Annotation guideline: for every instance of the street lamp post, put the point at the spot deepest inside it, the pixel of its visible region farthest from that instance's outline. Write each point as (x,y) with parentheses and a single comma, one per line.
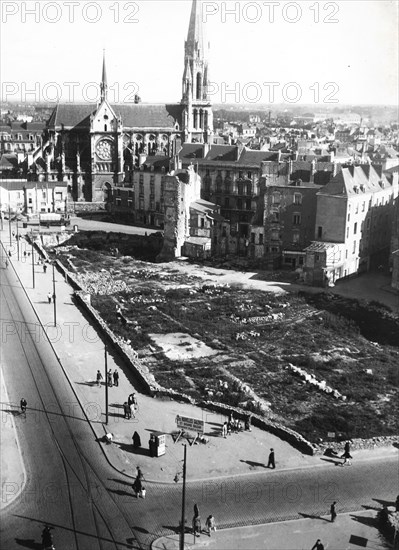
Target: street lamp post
(106,383)
(33,263)
(17,239)
(183,502)
(9,217)
(54,297)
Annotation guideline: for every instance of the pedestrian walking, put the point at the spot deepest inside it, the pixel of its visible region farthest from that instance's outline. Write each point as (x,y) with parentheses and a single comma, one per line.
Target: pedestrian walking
(10,253)
(229,428)
(210,524)
(318,545)
(24,253)
(116,378)
(130,399)
(23,404)
(126,410)
(333,511)
(132,409)
(44,268)
(140,474)
(6,262)
(346,454)
(136,440)
(99,377)
(224,430)
(49,297)
(271,462)
(109,378)
(196,510)
(137,487)
(248,423)
(196,525)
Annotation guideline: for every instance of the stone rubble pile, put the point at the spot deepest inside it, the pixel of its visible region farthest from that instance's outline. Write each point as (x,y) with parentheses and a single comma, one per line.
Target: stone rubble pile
(310,379)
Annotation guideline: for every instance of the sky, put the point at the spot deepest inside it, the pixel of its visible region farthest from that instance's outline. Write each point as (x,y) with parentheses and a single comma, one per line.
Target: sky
(319,53)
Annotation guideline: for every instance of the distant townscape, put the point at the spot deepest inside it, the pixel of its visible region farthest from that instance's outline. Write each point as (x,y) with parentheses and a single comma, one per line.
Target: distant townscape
(282,188)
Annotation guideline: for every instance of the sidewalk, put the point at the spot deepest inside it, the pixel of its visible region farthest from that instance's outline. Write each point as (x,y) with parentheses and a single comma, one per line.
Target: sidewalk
(12,470)
(349,531)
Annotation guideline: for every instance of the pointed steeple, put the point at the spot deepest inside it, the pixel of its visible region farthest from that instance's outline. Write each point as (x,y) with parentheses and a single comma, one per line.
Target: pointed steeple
(195,37)
(104,83)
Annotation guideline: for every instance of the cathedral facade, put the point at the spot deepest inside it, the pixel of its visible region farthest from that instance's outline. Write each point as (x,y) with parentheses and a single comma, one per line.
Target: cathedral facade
(96,147)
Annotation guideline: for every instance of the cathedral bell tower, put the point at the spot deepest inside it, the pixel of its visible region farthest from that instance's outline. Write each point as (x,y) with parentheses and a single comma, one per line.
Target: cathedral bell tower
(197,115)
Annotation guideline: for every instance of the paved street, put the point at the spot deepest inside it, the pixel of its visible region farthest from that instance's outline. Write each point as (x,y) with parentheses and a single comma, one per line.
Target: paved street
(60,448)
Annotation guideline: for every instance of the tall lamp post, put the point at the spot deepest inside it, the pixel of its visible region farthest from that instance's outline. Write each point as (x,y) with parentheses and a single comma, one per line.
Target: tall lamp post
(54,297)
(17,239)
(106,383)
(33,263)
(9,216)
(183,502)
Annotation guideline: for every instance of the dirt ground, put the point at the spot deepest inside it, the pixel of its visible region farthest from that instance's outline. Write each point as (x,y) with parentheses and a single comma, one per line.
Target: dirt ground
(232,337)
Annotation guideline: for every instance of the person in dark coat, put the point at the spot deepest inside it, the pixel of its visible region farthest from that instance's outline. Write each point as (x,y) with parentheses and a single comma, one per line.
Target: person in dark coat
(197,526)
(136,440)
(137,486)
(333,512)
(196,510)
(126,410)
(318,545)
(116,378)
(271,462)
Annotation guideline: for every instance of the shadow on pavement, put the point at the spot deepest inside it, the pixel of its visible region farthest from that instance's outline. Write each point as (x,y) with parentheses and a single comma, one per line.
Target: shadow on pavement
(335,462)
(130,449)
(29,543)
(371,522)
(312,516)
(384,502)
(253,464)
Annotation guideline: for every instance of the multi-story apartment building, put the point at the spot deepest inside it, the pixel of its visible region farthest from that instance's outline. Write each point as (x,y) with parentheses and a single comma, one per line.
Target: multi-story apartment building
(22,196)
(284,224)
(353,224)
(141,200)
(18,137)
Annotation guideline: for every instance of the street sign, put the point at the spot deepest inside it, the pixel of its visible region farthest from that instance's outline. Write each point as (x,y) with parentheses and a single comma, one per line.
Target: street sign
(193,424)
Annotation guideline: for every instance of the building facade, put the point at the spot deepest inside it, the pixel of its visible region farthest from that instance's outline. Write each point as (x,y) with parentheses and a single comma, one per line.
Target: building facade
(353,227)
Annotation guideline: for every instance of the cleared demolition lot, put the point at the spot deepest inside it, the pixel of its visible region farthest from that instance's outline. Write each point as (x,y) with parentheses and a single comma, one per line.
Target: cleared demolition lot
(317,363)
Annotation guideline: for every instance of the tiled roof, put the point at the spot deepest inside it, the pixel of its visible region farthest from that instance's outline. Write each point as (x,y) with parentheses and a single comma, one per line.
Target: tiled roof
(222,153)
(8,162)
(191,151)
(249,157)
(157,161)
(355,180)
(139,115)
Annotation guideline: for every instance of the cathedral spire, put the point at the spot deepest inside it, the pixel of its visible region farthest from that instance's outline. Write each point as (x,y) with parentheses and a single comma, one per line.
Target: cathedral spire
(195,37)
(104,83)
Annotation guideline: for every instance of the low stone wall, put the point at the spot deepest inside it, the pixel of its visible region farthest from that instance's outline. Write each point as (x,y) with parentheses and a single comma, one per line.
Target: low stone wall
(85,207)
(358,444)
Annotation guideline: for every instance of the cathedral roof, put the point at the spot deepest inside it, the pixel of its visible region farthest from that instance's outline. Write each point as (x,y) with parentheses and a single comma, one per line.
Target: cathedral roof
(140,115)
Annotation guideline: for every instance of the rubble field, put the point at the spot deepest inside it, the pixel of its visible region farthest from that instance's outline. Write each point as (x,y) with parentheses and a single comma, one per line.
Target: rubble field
(305,361)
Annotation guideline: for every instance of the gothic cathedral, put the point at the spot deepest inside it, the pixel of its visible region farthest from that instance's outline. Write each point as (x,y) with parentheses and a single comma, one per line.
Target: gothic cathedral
(97,147)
